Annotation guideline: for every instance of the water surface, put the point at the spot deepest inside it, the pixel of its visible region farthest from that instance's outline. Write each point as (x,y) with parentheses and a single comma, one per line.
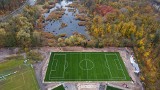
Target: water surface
(68,18)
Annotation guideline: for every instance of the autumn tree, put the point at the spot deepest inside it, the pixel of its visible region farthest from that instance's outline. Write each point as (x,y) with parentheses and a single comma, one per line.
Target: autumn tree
(24,38)
(36,38)
(31,13)
(2,37)
(9,5)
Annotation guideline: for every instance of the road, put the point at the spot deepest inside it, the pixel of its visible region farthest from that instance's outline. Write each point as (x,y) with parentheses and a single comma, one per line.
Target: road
(38,70)
(17,11)
(32,2)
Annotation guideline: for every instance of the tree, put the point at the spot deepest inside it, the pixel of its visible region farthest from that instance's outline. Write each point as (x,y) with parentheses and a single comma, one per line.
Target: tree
(98,27)
(108,28)
(24,39)
(22,23)
(10,40)
(31,13)
(9,5)
(2,37)
(157,37)
(34,55)
(36,38)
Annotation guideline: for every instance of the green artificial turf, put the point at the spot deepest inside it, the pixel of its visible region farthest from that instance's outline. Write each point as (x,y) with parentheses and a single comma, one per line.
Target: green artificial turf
(23,79)
(59,88)
(86,66)
(112,88)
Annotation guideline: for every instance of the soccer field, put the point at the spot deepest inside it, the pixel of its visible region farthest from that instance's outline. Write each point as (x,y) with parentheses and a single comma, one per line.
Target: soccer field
(23,79)
(86,66)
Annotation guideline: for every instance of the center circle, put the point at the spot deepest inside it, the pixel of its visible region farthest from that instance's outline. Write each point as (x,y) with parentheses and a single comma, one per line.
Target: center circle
(86,64)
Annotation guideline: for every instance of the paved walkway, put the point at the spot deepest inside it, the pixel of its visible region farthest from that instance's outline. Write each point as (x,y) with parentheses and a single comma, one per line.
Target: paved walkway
(38,70)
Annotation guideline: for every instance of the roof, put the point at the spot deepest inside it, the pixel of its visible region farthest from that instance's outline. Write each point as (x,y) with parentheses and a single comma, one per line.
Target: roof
(135,65)
(131,59)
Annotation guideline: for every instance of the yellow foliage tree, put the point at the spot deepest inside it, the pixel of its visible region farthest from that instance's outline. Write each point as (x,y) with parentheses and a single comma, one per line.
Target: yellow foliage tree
(108,29)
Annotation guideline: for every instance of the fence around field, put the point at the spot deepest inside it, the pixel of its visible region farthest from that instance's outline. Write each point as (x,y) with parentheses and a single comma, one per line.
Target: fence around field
(15,12)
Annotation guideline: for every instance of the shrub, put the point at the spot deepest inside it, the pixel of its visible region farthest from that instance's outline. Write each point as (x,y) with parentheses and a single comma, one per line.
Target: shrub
(34,55)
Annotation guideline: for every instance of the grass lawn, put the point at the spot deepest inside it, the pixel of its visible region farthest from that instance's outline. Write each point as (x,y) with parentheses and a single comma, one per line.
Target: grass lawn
(8,65)
(23,79)
(86,66)
(59,88)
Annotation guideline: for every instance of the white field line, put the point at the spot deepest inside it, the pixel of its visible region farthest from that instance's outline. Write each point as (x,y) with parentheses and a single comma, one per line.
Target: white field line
(10,80)
(34,80)
(108,66)
(59,54)
(17,87)
(21,74)
(66,65)
(110,54)
(118,68)
(104,67)
(86,67)
(23,78)
(51,77)
(51,67)
(112,78)
(115,79)
(6,83)
(21,85)
(13,77)
(84,53)
(55,65)
(106,63)
(116,64)
(121,67)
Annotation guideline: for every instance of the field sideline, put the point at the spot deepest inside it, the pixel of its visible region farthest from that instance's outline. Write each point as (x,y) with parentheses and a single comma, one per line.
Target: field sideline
(86,66)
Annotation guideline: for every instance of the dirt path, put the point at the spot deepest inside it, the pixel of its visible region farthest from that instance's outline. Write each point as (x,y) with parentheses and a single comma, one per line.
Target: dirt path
(7,52)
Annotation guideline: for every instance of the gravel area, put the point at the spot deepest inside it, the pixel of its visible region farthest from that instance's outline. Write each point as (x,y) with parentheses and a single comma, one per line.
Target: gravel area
(7,52)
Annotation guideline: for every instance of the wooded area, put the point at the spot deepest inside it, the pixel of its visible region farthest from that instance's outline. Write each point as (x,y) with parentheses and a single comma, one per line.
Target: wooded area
(115,23)
(128,23)
(9,5)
